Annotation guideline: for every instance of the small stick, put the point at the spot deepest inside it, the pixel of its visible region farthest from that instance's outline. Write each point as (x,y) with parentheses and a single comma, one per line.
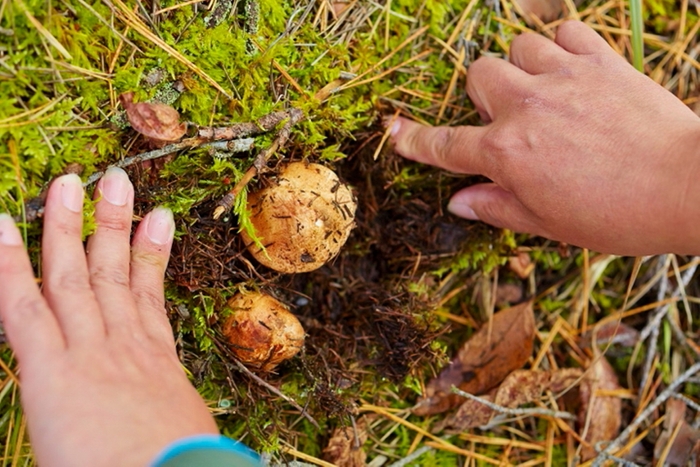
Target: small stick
(639,419)
(226,203)
(262,382)
(514,412)
(232,138)
(237,145)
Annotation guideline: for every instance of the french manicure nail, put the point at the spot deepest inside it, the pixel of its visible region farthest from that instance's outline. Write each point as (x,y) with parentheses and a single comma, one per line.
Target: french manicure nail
(9,233)
(161,226)
(71,192)
(115,186)
(462,208)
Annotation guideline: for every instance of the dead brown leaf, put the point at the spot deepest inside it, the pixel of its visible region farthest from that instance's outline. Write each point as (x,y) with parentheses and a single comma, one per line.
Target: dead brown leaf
(521,265)
(686,438)
(344,449)
(484,360)
(520,387)
(601,412)
(153,119)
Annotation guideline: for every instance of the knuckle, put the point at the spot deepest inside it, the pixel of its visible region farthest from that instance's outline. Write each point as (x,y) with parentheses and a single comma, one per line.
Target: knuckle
(111,275)
(27,308)
(501,143)
(442,145)
(150,297)
(113,220)
(149,260)
(68,282)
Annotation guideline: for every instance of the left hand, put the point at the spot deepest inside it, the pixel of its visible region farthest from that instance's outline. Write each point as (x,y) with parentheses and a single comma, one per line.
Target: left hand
(101,382)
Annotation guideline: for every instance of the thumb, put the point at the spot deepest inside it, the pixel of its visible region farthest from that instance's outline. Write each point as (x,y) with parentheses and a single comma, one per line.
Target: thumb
(492,204)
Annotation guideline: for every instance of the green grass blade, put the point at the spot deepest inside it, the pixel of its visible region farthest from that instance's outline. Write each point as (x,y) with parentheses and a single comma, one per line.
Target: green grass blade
(637,30)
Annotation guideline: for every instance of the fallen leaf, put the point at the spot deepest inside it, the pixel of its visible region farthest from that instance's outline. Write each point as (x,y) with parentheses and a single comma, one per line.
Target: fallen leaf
(686,438)
(602,412)
(520,387)
(521,265)
(484,360)
(342,449)
(508,293)
(153,119)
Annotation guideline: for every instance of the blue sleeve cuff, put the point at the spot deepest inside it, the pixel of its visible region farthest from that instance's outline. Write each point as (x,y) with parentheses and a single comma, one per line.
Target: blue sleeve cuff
(207,451)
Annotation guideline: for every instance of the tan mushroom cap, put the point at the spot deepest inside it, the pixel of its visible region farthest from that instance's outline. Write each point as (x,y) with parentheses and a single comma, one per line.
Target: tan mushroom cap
(261,331)
(303,219)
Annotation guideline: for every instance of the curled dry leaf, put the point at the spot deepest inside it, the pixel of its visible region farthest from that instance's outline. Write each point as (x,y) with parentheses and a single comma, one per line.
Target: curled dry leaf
(484,360)
(520,387)
(685,441)
(345,446)
(601,412)
(521,265)
(153,119)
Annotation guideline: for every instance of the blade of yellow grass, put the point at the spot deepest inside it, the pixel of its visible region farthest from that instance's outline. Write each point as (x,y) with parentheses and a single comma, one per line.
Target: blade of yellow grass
(81,70)
(453,83)
(43,31)
(460,23)
(410,39)
(387,133)
(133,20)
(387,72)
(466,453)
(438,443)
(489,441)
(34,113)
(546,344)
(300,455)
(177,6)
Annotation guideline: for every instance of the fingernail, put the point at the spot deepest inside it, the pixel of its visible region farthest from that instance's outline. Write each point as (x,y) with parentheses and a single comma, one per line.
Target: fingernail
(161,226)
(395,127)
(461,208)
(71,192)
(115,186)
(9,233)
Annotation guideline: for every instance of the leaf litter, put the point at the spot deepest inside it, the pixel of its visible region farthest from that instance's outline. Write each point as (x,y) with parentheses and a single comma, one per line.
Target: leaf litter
(483,361)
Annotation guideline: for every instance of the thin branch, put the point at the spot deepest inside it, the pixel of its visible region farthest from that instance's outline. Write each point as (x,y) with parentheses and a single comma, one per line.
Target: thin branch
(237,145)
(226,203)
(243,369)
(514,412)
(639,419)
(412,457)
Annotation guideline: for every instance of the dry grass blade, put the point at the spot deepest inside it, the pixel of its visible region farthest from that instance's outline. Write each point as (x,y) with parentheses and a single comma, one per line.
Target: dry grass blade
(43,31)
(132,20)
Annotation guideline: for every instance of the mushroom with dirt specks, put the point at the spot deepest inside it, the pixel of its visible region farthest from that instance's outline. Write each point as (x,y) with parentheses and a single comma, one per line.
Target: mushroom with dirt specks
(261,332)
(303,218)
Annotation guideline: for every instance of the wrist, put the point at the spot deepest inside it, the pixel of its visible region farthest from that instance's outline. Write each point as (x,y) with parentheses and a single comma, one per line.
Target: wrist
(687,212)
(206,450)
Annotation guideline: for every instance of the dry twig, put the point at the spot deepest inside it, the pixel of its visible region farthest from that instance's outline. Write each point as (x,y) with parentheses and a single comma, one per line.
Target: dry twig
(226,203)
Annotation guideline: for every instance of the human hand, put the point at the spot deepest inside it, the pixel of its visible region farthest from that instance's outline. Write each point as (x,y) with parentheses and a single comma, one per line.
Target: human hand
(101,383)
(582,148)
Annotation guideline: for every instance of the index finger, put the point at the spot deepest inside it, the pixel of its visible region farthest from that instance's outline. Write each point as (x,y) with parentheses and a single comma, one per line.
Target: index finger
(451,148)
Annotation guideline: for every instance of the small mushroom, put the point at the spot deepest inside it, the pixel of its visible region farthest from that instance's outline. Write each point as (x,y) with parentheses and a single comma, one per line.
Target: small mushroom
(261,331)
(303,218)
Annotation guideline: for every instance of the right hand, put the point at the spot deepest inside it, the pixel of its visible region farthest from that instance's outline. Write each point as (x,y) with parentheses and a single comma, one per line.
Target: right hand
(580,146)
